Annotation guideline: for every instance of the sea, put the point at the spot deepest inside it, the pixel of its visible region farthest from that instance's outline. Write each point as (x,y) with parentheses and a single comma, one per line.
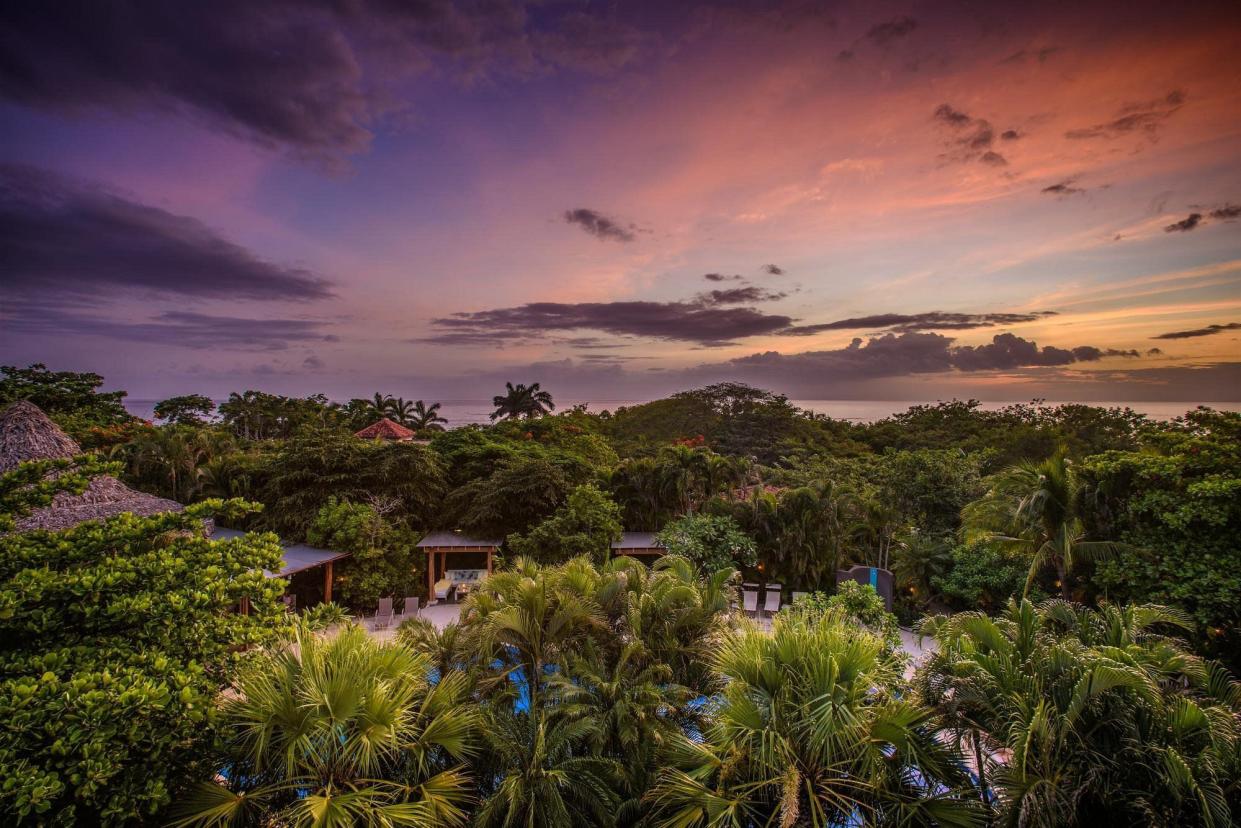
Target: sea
(465,412)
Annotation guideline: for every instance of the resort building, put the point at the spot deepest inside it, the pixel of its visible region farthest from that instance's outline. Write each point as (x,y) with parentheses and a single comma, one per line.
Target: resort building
(26,433)
(471,560)
(297,558)
(386,429)
(641,545)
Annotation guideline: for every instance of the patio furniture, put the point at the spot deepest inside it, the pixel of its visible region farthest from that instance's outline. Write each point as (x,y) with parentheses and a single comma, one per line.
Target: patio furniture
(774,593)
(290,603)
(383,615)
(410,608)
(749,598)
(442,587)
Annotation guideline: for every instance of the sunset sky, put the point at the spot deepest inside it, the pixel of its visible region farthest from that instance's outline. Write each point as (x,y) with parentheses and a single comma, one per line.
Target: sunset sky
(619,200)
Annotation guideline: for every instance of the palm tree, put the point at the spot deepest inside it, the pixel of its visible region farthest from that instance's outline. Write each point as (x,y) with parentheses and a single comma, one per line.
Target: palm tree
(380,406)
(1036,507)
(401,410)
(426,417)
(546,777)
(918,559)
(806,733)
(339,732)
(521,401)
(1082,717)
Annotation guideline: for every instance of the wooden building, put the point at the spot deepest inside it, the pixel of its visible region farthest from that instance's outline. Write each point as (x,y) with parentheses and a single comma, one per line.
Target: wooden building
(449,552)
(640,545)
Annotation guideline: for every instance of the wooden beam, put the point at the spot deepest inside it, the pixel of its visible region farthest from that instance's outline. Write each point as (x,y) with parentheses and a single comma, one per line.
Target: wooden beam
(327,582)
(430,577)
(488,560)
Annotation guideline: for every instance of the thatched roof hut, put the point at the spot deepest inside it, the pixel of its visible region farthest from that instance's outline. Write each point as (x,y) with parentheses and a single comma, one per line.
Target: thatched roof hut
(385,429)
(26,433)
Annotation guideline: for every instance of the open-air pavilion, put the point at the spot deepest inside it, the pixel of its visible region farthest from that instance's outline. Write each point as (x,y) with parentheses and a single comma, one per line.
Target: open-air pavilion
(466,554)
(641,545)
(297,558)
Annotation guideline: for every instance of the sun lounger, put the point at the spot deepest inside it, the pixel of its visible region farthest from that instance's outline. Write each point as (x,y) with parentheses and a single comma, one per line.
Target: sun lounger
(749,599)
(772,605)
(383,615)
(410,608)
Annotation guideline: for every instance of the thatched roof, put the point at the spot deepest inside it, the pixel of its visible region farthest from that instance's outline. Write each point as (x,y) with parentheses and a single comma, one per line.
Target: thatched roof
(385,429)
(26,433)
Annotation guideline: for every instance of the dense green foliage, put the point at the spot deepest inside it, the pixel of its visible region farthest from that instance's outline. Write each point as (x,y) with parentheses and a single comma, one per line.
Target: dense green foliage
(604,692)
(1079,717)
(383,560)
(72,399)
(340,732)
(115,637)
(586,524)
(188,409)
(710,541)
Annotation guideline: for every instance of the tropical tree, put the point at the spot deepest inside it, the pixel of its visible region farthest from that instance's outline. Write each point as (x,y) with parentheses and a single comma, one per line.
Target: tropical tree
(1037,508)
(712,542)
(340,731)
(189,409)
(1083,717)
(63,395)
(110,663)
(380,405)
(547,777)
(808,731)
(522,401)
(401,410)
(586,524)
(426,417)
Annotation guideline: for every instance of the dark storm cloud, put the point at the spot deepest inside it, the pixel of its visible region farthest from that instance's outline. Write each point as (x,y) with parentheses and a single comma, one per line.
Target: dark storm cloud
(738,296)
(952,117)
(1064,188)
(181,329)
(894,355)
(773,270)
(599,225)
(681,321)
(881,34)
(972,138)
(1209,330)
(63,238)
(1142,118)
(933,320)
(311,76)
(1227,212)
(1186,224)
(1041,55)
(720,277)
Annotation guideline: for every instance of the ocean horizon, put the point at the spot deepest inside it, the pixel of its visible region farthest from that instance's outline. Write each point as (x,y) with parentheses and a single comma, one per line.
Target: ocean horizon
(467,412)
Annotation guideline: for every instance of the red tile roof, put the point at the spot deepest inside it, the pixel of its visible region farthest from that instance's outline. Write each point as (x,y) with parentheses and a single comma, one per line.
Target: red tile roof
(387,430)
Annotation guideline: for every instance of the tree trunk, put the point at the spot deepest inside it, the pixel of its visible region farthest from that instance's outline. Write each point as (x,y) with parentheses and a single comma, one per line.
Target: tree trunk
(1063,577)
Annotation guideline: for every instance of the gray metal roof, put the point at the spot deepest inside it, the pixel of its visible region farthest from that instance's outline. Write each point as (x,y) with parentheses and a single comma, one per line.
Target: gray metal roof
(637,540)
(297,556)
(440,540)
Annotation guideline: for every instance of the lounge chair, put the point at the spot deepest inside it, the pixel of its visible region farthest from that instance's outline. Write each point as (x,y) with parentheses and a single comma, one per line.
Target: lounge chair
(383,615)
(774,593)
(749,598)
(410,608)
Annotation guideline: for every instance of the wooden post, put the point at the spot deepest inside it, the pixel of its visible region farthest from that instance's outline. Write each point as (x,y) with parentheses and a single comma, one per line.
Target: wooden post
(327,582)
(245,605)
(430,577)
(488,560)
